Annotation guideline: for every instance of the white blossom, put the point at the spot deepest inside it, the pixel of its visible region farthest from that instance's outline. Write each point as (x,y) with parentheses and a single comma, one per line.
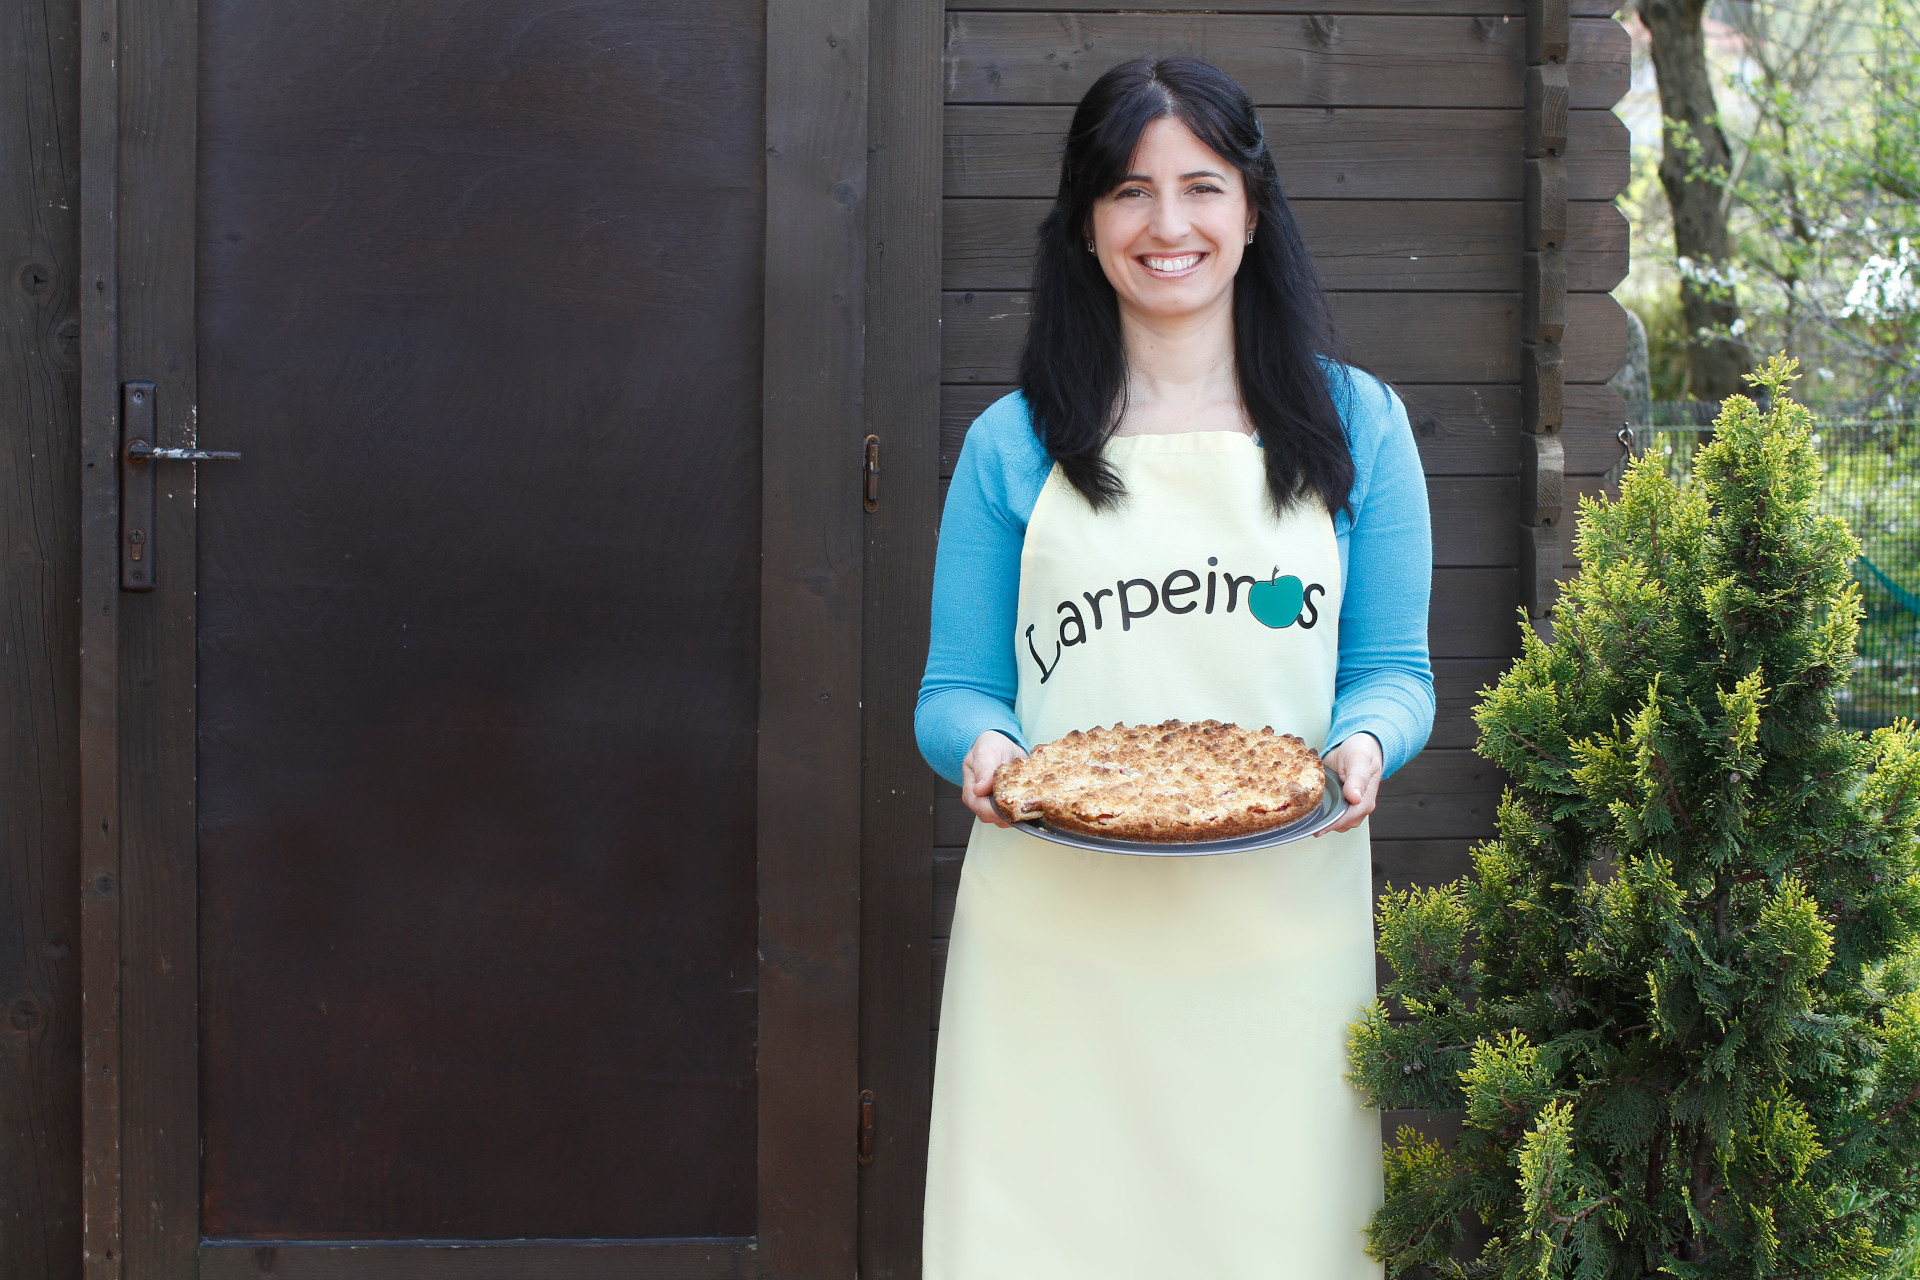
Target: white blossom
(1887,286)
(1725,276)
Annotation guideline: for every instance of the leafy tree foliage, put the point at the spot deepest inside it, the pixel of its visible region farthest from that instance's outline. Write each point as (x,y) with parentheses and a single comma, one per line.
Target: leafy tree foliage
(1812,162)
(1677,1003)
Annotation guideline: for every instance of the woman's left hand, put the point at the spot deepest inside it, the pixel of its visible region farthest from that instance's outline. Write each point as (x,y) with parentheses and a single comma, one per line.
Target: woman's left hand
(1357,762)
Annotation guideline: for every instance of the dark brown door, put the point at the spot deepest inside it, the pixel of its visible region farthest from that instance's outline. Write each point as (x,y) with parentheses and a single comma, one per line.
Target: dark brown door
(479,303)
(461,897)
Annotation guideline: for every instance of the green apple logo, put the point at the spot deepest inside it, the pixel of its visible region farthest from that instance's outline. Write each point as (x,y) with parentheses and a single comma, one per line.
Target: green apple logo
(1276,602)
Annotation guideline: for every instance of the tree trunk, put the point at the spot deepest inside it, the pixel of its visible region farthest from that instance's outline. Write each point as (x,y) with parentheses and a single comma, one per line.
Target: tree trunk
(1699,226)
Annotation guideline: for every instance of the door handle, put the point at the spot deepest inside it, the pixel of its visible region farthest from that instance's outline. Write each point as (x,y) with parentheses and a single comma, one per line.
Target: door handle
(138,454)
(139,451)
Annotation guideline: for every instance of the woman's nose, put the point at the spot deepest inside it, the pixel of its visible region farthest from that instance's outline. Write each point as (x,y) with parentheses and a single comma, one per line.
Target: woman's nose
(1170,222)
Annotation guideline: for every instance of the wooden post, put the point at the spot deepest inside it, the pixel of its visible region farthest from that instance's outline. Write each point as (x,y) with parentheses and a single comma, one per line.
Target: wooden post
(99,641)
(812,527)
(905,120)
(1543,305)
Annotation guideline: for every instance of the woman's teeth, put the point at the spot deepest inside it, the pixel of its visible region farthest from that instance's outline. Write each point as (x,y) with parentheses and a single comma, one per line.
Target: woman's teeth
(1173,264)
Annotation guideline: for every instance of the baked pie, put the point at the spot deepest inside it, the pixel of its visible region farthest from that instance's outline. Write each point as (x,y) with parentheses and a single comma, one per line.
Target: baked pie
(1172,782)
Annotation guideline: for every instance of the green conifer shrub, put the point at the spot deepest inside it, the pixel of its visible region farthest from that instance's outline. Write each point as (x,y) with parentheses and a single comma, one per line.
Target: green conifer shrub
(1677,1002)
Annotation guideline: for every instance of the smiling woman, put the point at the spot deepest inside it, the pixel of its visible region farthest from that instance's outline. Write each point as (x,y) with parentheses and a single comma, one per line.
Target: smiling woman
(1140,1065)
(1170,221)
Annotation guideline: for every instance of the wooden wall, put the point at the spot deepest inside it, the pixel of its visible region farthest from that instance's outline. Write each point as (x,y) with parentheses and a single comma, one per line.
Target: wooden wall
(40,621)
(1400,143)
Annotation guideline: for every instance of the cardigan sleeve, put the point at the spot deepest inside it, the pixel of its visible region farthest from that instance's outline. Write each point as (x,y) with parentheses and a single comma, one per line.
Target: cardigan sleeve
(971,676)
(1385,681)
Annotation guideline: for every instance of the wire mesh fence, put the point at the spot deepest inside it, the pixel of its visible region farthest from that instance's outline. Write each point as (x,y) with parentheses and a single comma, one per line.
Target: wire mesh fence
(1873,481)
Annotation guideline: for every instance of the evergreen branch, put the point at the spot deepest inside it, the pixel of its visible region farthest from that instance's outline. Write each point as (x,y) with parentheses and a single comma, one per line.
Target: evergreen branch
(1913,1095)
(1568,1221)
(1894,802)
(1673,793)
(1533,746)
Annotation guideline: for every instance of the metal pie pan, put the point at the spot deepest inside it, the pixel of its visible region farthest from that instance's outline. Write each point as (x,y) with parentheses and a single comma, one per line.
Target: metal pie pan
(1333,805)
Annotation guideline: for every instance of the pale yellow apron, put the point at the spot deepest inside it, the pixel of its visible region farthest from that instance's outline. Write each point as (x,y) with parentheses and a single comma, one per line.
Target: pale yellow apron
(1140,1064)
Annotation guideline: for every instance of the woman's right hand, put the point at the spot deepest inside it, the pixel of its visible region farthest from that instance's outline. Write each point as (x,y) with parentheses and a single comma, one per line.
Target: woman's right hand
(990,750)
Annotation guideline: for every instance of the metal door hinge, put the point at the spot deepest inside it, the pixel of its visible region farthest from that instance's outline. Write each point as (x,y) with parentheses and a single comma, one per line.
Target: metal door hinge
(870,475)
(866,1112)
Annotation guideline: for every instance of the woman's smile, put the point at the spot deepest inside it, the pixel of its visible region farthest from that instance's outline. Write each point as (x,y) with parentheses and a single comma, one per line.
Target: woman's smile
(1171,267)
(1172,232)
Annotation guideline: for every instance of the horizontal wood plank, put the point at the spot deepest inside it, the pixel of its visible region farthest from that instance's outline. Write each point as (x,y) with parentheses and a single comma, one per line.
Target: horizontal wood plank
(1314,60)
(1441,794)
(1457,683)
(1399,245)
(1325,153)
(1430,338)
(1473,521)
(1406,863)
(1466,430)
(730,1259)
(1472,614)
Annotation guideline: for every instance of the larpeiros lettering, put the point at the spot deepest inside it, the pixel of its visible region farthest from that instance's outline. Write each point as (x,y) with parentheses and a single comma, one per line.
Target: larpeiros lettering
(1276,602)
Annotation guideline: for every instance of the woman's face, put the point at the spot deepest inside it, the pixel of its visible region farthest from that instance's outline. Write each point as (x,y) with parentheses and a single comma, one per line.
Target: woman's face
(1171,234)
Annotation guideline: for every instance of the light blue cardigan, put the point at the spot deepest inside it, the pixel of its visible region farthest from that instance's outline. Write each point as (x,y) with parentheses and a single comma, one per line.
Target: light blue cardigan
(1384,684)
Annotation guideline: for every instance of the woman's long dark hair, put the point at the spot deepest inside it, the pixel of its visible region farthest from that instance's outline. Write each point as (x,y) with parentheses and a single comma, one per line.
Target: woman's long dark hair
(1073,368)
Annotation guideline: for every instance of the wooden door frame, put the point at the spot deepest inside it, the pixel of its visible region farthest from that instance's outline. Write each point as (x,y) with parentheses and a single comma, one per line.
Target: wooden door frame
(905,190)
(139,913)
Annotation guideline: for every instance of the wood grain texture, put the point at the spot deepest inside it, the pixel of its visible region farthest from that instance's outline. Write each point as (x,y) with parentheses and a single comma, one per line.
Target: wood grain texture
(1312,60)
(99,833)
(159,865)
(810,656)
(1416,246)
(902,402)
(1464,430)
(520,1260)
(1457,685)
(40,1228)
(1457,338)
(1379,153)
(1440,794)
(1472,614)
(1405,863)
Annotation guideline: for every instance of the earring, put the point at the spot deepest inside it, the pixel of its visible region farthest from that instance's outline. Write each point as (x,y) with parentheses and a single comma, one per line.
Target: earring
(1249,235)
(1090,248)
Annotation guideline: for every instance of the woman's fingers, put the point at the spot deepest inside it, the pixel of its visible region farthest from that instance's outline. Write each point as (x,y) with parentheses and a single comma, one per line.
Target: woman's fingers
(1358,764)
(978,795)
(990,750)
